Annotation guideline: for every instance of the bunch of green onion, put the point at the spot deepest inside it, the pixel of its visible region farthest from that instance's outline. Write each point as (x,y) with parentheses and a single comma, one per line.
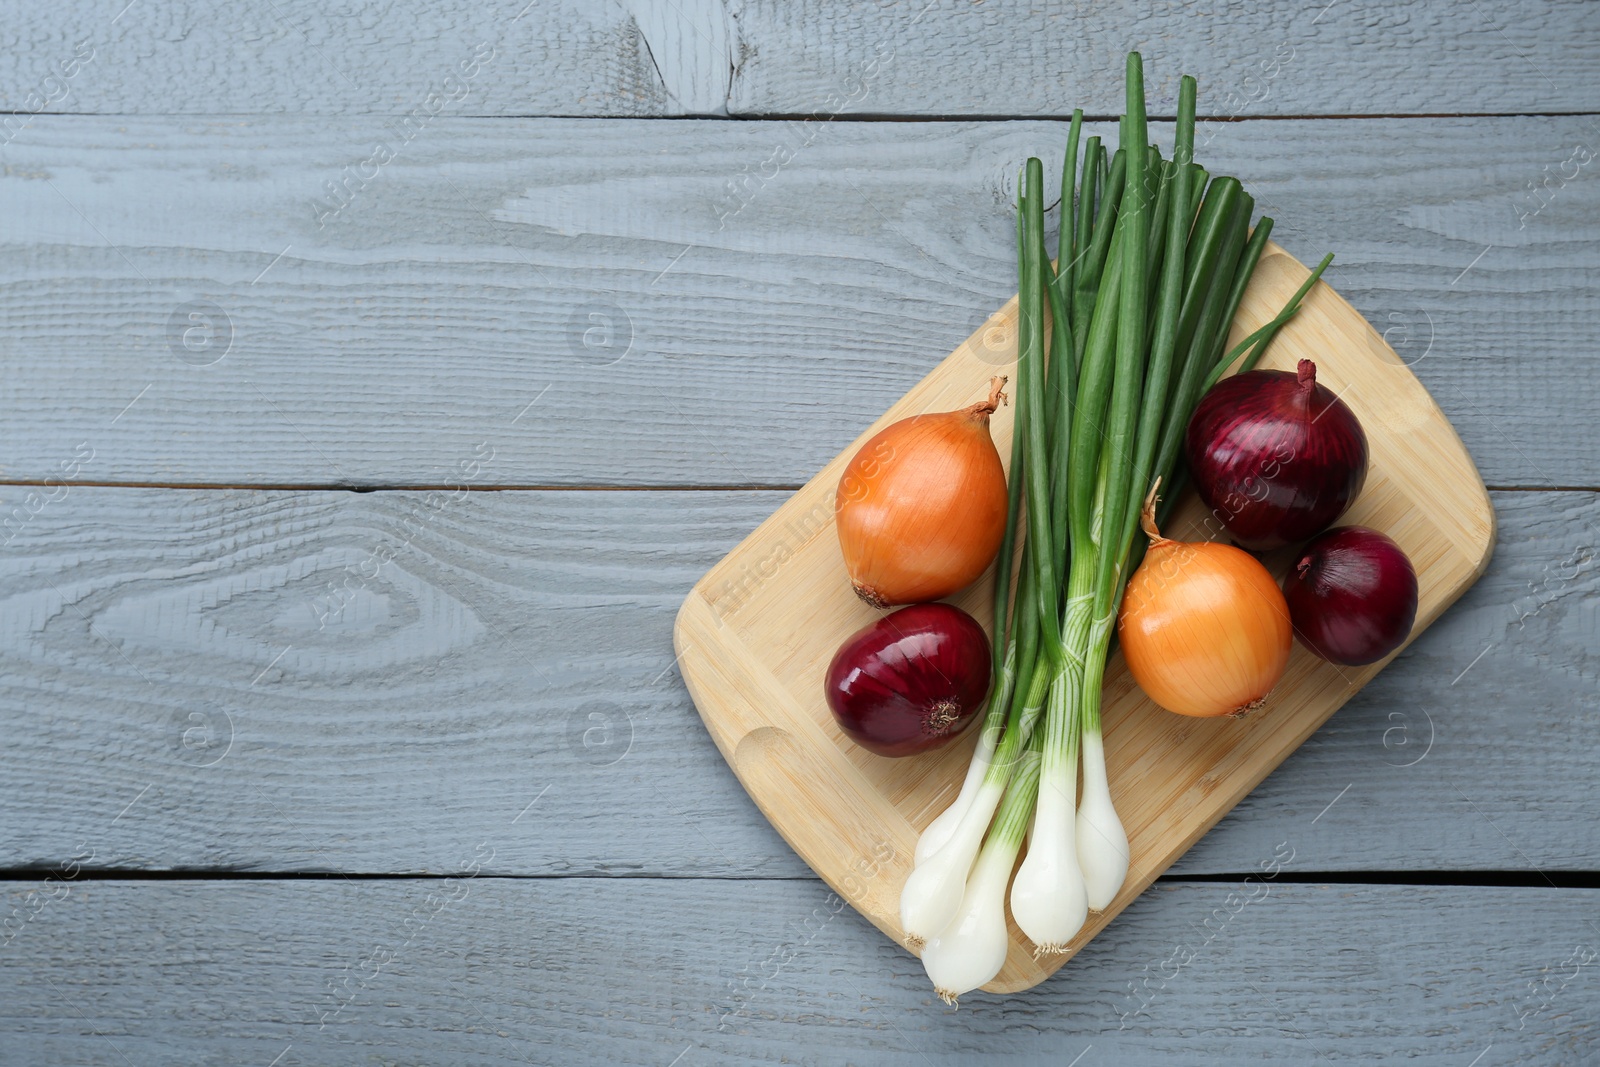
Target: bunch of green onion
(1154,258)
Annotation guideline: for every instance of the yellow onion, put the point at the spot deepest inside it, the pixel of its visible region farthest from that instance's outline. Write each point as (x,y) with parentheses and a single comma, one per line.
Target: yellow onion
(921,507)
(1204,628)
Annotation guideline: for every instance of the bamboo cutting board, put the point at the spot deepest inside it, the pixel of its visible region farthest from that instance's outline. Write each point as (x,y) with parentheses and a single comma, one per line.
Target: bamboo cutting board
(757,632)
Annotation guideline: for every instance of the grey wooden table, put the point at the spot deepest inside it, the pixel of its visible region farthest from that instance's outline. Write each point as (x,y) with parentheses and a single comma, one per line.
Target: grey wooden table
(378,378)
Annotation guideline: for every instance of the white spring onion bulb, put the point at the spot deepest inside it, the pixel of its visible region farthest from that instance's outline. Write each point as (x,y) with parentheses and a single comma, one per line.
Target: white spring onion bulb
(941,829)
(1102,842)
(932,893)
(971,949)
(1047,898)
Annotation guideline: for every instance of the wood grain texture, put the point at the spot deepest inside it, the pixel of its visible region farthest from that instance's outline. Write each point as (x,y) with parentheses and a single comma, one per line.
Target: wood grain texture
(692,45)
(950,57)
(451,689)
(490,971)
(661,57)
(492,260)
(756,634)
(188,57)
(171,700)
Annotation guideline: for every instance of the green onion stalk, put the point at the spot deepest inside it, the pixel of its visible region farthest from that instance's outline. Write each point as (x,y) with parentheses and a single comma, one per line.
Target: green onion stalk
(933,893)
(1116,341)
(1007,635)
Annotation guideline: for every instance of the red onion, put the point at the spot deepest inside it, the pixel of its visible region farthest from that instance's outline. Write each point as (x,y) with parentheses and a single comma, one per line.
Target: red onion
(1352,596)
(911,681)
(1275,456)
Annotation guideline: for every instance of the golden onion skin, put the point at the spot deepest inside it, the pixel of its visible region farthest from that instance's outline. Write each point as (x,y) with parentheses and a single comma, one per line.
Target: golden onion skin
(1204,629)
(921,507)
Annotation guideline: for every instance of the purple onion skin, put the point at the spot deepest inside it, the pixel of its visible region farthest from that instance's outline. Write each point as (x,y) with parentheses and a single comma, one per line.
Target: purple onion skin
(1275,456)
(1352,596)
(911,681)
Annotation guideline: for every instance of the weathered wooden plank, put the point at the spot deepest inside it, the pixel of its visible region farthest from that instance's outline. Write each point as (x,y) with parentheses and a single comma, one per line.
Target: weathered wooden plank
(949,57)
(670,57)
(574,971)
(323,681)
(171,301)
(565,57)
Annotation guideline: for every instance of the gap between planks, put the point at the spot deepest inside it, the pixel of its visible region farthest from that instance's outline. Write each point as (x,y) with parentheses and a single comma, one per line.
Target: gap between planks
(865,116)
(801,116)
(1501,879)
(423,487)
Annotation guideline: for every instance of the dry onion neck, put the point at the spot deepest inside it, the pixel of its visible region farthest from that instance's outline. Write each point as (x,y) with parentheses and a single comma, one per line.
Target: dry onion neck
(997,397)
(1147,518)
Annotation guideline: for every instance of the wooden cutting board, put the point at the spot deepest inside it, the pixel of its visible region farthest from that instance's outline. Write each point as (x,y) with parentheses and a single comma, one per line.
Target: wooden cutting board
(756,634)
